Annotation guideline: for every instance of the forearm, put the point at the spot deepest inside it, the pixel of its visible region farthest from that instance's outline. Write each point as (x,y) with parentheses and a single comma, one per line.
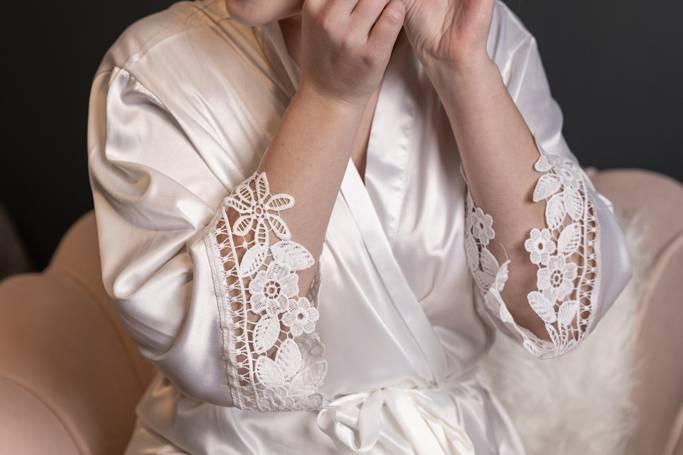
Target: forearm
(307,159)
(497,152)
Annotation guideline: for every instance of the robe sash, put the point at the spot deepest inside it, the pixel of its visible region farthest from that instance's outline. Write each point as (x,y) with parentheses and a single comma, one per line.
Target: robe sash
(407,420)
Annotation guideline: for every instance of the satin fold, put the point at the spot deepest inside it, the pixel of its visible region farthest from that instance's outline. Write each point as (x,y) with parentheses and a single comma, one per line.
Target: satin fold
(407,419)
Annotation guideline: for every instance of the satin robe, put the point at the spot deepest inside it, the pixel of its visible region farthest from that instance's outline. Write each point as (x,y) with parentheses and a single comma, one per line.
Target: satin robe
(182,108)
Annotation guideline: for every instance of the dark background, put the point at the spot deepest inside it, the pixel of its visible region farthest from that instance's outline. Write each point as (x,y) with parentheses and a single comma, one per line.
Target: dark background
(615,67)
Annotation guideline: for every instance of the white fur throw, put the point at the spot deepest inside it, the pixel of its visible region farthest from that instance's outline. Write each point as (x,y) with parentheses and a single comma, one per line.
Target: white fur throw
(579,403)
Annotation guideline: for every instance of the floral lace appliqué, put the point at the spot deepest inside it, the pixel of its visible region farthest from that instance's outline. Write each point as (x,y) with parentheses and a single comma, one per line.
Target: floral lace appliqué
(275,357)
(564,250)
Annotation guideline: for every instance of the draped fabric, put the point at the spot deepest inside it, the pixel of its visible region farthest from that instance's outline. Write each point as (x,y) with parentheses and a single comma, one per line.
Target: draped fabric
(381,355)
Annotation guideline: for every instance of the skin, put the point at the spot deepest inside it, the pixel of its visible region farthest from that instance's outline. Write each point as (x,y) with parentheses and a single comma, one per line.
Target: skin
(343,48)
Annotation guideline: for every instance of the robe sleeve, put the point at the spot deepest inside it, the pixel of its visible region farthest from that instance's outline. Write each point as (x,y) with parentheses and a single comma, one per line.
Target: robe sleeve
(579,252)
(206,281)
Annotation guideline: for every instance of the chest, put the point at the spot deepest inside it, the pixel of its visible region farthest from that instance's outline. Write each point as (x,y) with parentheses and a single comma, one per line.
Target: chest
(408,162)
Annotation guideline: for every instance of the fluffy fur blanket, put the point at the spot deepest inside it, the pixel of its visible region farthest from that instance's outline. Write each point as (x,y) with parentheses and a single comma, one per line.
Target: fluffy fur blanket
(578,403)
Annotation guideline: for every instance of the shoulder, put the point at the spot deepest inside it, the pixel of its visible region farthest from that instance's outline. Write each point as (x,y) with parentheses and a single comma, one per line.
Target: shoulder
(186,37)
(183,78)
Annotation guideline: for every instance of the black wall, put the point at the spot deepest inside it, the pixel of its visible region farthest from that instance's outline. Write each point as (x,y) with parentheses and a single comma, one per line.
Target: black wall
(615,67)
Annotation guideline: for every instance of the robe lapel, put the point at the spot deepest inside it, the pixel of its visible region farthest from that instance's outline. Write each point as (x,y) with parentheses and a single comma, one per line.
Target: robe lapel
(432,355)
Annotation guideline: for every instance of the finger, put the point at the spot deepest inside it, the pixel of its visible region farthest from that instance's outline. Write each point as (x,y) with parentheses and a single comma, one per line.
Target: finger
(366,13)
(388,25)
(340,9)
(312,7)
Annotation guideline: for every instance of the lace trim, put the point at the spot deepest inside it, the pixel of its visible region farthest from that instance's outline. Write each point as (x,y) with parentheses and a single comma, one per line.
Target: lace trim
(275,357)
(565,251)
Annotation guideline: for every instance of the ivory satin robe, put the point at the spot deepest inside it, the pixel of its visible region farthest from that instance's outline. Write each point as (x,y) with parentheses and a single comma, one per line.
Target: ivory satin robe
(381,355)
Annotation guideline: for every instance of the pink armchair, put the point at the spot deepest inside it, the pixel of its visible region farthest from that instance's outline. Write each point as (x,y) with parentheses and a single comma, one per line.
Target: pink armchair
(70,377)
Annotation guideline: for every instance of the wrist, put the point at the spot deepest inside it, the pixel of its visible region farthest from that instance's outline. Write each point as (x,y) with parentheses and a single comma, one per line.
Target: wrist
(455,74)
(465,82)
(310,95)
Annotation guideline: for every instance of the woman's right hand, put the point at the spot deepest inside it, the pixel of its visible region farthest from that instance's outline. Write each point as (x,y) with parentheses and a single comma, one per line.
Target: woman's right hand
(346,45)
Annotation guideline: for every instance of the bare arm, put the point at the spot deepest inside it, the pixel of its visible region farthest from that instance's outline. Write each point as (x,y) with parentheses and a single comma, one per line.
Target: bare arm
(496,147)
(498,153)
(307,160)
(344,57)
(527,205)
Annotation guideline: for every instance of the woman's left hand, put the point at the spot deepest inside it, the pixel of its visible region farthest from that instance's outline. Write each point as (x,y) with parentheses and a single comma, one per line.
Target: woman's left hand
(449,31)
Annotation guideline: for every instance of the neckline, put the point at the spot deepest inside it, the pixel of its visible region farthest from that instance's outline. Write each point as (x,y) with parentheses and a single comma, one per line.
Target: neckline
(432,360)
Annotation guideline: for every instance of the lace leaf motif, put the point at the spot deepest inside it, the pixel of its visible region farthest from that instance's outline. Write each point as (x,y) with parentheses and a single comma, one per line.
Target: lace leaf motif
(564,252)
(275,357)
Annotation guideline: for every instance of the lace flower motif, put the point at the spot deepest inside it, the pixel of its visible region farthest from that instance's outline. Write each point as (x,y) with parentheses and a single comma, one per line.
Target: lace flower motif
(300,316)
(558,278)
(540,245)
(482,226)
(271,289)
(258,207)
(275,358)
(564,251)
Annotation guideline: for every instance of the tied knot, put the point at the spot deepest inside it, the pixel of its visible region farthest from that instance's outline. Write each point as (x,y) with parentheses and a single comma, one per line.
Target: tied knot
(405,419)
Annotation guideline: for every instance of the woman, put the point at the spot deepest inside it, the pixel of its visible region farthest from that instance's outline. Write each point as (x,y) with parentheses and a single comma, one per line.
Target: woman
(313,213)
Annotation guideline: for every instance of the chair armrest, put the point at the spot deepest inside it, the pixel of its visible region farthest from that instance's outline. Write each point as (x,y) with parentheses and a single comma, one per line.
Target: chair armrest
(652,202)
(29,425)
(70,375)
